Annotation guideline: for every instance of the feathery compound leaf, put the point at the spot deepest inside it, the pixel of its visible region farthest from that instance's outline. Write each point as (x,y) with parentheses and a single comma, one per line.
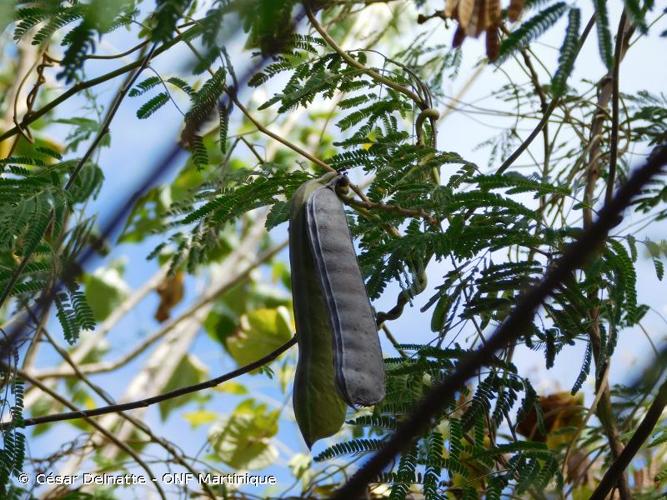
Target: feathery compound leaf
(405,476)
(152,105)
(585,369)
(637,14)
(82,310)
(354,447)
(604,35)
(568,53)
(224,129)
(167,14)
(65,315)
(145,85)
(60,19)
(181,84)
(203,103)
(81,42)
(199,153)
(531,29)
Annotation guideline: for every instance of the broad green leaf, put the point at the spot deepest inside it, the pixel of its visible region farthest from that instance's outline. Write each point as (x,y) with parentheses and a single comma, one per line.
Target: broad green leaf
(200,417)
(261,331)
(232,387)
(105,290)
(188,372)
(243,440)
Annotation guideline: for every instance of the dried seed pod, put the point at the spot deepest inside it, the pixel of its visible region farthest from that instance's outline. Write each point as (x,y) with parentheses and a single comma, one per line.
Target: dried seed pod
(514,10)
(340,359)
(357,354)
(465,11)
(459,36)
(318,407)
(477,20)
(450,8)
(492,43)
(493,12)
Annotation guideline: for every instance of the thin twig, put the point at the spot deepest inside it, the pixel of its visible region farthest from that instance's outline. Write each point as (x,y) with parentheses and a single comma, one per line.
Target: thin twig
(545,116)
(75,89)
(356,64)
(106,433)
(615,472)
(613,146)
(107,366)
(143,403)
(137,423)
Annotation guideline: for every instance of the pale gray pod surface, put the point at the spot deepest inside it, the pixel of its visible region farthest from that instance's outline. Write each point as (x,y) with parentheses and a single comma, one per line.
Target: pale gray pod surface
(357,354)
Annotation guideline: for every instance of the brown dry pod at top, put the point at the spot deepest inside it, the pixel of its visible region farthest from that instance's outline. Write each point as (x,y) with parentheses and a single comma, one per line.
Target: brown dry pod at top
(515,9)
(492,43)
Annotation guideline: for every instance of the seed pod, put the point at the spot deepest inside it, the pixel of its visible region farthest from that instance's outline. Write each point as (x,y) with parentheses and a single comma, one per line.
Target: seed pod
(340,359)
(318,407)
(357,354)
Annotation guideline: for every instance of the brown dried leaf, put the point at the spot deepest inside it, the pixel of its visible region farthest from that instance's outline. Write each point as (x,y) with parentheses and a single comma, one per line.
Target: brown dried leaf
(170,291)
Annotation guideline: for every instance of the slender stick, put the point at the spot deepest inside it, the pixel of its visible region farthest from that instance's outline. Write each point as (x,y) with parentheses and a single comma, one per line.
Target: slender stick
(614,473)
(353,62)
(75,89)
(545,116)
(143,403)
(105,432)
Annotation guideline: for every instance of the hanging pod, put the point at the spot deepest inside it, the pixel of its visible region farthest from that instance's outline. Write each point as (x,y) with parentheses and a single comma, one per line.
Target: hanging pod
(340,360)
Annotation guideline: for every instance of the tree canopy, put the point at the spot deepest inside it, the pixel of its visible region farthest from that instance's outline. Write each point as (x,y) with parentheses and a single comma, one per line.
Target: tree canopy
(505,190)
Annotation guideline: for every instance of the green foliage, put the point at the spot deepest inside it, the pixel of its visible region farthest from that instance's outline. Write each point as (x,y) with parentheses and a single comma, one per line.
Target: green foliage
(203,103)
(74,313)
(568,53)
(348,447)
(604,34)
(241,441)
(489,235)
(268,23)
(167,15)
(531,29)
(152,105)
(13,449)
(45,18)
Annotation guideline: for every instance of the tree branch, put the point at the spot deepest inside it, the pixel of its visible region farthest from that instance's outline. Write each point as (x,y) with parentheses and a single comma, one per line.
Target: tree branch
(107,366)
(614,473)
(143,403)
(75,89)
(136,422)
(356,64)
(547,113)
(511,329)
(106,433)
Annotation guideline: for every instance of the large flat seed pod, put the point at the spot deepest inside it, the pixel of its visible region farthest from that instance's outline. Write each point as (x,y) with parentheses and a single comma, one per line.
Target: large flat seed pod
(357,353)
(318,406)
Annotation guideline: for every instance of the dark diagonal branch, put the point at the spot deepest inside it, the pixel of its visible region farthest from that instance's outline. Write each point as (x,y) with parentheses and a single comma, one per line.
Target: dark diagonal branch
(642,433)
(511,329)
